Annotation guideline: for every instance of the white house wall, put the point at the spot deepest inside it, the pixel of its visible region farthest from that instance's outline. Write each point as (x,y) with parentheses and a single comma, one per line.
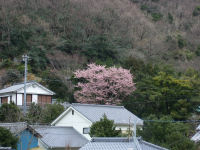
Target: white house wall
(35,98)
(19,99)
(77,121)
(34,89)
(14,98)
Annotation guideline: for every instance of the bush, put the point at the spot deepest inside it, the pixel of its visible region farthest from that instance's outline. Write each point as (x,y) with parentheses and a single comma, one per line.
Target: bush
(156,16)
(50,112)
(34,113)
(196,11)
(10,113)
(7,139)
(170,18)
(198,51)
(181,42)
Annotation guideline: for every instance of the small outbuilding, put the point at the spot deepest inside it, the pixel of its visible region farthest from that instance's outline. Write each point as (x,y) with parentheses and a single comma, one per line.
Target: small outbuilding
(28,137)
(36,93)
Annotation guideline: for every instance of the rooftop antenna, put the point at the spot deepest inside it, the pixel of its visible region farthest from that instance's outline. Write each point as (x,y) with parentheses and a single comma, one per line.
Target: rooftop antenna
(25,59)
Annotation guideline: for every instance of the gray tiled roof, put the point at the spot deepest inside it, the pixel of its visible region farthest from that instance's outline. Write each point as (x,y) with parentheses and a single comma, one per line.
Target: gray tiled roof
(14,128)
(60,137)
(118,144)
(119,114)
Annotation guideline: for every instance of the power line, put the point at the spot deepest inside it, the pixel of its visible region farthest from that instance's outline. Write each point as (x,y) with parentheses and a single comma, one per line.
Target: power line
(172,121)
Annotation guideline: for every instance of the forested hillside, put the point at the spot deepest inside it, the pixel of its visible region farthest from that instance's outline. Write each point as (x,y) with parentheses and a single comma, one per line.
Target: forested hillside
(157,40)
(61,36)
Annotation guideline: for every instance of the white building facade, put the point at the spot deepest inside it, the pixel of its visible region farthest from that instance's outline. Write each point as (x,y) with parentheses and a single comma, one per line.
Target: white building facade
(36,93)
(82,116)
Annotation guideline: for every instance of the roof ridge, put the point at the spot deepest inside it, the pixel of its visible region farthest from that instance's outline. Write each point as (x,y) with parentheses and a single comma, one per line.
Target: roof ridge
(12,123)
(18,84)
(151,144)
(97,105)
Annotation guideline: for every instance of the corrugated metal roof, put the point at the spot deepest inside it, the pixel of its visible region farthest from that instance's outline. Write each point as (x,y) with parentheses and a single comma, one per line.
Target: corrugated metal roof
(16,87)
(198,128)
(118,144)
(119,114)
(149,146)
(196,137)
(13,88)
(60,137)
(14,128)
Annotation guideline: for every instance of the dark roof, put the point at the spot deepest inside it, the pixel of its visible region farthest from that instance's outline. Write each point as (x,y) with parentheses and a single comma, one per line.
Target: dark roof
(60,137)
(94,112)
(121,143)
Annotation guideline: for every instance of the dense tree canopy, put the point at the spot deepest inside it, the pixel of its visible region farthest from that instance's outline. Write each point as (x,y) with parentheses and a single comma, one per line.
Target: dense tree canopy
(174,136)
(161,91)
(103,85)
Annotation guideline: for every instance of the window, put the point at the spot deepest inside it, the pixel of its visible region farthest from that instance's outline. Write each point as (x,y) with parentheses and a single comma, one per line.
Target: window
(86,130)
(72,112)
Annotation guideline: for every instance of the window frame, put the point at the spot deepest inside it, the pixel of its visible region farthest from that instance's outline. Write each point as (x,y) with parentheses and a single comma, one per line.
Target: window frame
(88,130)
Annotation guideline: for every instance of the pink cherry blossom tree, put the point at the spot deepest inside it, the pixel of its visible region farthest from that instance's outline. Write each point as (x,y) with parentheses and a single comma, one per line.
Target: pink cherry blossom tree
(103,85)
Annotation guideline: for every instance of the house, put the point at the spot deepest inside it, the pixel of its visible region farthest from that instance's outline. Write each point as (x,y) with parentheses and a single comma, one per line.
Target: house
(59,138)
(120,143)
(196,137)
(81,117)
(28,137)
(35,93)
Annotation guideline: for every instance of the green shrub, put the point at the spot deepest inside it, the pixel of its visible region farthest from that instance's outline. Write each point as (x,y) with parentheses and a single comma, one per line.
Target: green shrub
(10,113)
(170,18)
(196,11)
(7,139)
(50,112)
(144,7)
(104,128)
(156,16)
(198,51)
(181,42)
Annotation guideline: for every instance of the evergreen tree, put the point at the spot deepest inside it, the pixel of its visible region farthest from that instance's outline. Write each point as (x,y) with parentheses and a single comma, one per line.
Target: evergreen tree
(104,128)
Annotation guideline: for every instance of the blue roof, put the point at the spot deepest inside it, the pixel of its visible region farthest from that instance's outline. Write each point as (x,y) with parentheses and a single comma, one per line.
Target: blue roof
(105,143)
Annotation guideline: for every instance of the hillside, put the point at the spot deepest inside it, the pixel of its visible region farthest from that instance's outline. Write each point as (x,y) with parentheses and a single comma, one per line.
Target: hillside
(61,36)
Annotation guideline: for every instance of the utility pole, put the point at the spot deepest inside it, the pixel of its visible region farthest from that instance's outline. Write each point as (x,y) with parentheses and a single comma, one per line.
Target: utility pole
(25,59)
